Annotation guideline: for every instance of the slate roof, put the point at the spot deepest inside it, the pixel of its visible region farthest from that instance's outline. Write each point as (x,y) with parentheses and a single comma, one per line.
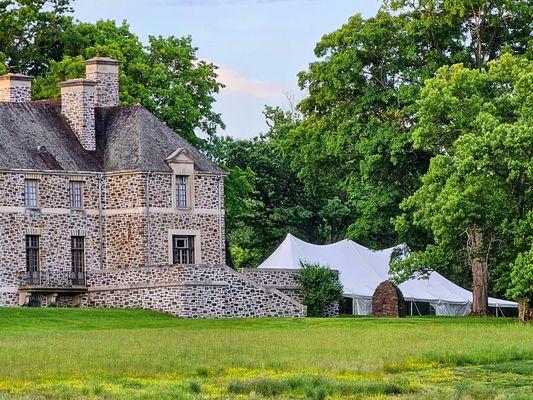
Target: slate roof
(35,136)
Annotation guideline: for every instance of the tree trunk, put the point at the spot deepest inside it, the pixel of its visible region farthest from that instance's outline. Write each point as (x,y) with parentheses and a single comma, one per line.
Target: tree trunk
(525,311)
(480,273)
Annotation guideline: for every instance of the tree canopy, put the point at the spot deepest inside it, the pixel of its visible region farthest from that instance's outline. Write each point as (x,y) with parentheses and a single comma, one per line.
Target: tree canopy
(354,144)
(264,198)
(476,197)
(41,39)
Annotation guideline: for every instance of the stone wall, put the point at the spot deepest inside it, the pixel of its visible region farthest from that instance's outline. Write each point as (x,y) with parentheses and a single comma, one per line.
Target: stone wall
(8,299)
(279,278)
(15,88)
(105,72)
(188,291)
(78,97)
(54,222)
(118,276)
(107,88)
(15,94)
(123,222)
(286,281)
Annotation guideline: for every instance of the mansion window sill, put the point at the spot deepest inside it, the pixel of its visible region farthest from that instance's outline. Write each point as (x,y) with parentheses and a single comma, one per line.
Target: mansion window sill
(76,211)
(33,209)
(184,209)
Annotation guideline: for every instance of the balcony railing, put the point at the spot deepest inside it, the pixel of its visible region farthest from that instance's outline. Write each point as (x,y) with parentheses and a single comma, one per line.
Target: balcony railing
(31,278)
(78,279)
(40,279)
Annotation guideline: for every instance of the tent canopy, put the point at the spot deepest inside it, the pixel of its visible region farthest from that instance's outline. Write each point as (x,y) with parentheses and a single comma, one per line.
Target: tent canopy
(362,270)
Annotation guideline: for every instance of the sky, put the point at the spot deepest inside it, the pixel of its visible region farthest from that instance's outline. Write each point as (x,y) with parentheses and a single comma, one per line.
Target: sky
(258,45)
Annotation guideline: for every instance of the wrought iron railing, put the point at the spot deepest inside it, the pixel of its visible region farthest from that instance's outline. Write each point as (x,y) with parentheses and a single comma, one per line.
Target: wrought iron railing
(32,278)
(78,279)
(45,279)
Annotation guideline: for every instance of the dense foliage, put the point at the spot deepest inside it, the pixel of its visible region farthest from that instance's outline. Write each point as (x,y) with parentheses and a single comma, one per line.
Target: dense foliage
(476,197)
(416,128)
(354,145)
(265,200)
(165,76)
(320,287)
(521,287)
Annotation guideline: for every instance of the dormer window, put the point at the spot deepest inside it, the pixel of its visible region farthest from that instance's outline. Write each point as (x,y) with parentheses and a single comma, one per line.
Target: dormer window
(182,166)
(32,193)
(181,191)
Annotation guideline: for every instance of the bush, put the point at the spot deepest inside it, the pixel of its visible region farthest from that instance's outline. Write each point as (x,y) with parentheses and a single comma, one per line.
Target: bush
(320,287)
(521,287)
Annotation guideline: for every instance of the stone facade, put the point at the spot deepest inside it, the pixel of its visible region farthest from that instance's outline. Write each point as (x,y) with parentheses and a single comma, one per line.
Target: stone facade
(15,88)
(286,281)
(78,97)
(201,291)
(115,226)
(115,233)
(108,225)
(388,301)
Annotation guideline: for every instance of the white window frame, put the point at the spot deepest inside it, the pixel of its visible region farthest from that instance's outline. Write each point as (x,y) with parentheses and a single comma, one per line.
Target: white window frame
(182,192)
(32,202)
(185,232)
(73,185)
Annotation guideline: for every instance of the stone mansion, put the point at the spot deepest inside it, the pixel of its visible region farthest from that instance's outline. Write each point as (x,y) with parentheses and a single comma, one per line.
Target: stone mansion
(103,205)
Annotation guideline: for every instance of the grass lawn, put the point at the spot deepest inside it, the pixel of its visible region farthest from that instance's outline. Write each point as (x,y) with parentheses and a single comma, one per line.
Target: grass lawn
(123,354)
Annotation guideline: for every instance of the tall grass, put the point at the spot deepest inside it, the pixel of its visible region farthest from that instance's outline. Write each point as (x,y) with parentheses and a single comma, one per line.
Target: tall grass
(121,351)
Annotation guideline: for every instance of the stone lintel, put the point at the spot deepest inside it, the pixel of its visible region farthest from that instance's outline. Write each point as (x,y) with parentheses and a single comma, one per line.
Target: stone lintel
(102,61)
(16,79)
(77,83)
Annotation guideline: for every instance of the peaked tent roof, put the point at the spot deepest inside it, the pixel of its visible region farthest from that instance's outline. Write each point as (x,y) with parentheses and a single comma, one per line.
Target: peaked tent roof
(362,270)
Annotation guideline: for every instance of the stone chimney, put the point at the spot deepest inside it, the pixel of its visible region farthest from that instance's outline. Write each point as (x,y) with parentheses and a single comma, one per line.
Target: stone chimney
(78,97)
(104,71)
(15,88)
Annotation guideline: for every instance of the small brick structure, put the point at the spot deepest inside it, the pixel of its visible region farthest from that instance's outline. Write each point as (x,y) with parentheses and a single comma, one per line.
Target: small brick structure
(388,301)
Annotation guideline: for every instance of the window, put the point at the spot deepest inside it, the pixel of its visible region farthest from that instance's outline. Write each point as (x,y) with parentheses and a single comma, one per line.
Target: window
(76,195)
(181,191)
(32,258)
(32,193)
(183,249)
(78,260)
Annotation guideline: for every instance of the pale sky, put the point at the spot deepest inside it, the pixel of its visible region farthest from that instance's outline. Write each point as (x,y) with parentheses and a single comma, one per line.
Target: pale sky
(259,45)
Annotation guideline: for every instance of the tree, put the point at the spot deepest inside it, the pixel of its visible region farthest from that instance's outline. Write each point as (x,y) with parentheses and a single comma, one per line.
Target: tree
(3,67)
(320,287)
(165,76)
(31,33)
(476,197)
(521,287)
(41,39)
(353,148)
(265,199)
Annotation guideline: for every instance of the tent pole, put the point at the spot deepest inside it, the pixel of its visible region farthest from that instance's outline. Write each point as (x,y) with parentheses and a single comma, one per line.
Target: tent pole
(419,314)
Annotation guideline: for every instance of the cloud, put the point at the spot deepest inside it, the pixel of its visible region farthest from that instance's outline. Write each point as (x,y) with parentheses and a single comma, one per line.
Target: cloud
(238,83)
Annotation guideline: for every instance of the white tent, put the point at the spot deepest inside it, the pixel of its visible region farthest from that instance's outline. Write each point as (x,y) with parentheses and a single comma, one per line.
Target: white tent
(362,270)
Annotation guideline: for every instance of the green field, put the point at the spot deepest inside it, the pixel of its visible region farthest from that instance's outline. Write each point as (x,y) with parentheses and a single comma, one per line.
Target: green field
(119,354)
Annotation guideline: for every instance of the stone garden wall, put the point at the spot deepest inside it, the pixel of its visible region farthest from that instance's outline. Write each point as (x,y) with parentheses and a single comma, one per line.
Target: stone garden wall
(286,281)
(190,292)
